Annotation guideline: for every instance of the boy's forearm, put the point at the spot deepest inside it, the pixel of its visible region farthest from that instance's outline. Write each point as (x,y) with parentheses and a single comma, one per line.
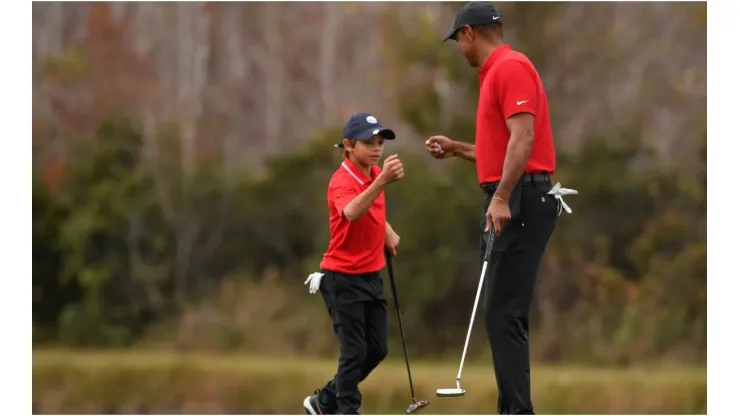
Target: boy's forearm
(362,202)
(388,228)
(464,150)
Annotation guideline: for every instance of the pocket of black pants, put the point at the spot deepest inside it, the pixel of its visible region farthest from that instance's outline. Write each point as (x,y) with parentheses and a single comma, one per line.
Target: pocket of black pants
(515,203)
(549,205)
(378,286)
(542,209)
(325,285)
(341,288)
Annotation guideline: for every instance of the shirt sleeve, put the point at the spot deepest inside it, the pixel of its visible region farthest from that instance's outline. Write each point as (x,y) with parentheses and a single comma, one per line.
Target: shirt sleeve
(341,194)
(516,88)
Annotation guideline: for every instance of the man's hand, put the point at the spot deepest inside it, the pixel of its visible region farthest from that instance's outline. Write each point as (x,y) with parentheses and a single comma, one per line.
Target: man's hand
(392,170)
(440,147)
(391,240)
(497,215)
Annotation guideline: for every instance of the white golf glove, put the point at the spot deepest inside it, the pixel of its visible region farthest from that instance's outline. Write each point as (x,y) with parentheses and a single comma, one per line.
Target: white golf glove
(313,282)
(559,191)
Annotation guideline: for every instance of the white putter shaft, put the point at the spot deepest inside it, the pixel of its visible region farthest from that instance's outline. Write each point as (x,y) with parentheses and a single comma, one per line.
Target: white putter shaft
(456,392)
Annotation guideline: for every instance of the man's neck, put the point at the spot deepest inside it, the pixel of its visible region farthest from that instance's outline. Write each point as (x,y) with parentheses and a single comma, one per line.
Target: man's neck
(487,50)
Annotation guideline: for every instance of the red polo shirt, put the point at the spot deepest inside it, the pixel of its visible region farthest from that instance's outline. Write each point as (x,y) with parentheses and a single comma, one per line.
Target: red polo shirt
(509,85)
(355,247)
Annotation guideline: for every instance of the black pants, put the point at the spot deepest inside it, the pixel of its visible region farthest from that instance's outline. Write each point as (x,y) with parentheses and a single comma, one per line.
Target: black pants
(358,308)
(509,288)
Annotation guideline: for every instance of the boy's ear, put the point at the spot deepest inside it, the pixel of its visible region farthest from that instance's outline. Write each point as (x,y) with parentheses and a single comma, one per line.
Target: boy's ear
(346,143)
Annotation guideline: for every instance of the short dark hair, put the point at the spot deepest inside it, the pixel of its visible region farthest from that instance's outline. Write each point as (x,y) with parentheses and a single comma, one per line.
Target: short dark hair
(488,29)
(352,142)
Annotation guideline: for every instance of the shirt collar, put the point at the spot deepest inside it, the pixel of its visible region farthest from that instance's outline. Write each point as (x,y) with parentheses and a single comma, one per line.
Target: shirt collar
(357,174)
(495,56)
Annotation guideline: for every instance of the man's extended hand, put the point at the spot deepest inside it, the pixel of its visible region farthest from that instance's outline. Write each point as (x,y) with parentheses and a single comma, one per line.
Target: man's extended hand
(440,147)
(391,241)
(497,215)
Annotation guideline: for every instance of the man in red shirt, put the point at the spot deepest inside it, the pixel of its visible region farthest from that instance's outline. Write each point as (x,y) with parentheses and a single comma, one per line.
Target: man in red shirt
(350,280)
(514,157)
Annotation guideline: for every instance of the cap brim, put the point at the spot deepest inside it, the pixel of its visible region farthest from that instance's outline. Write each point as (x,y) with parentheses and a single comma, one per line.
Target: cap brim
(387,134)
(450,35)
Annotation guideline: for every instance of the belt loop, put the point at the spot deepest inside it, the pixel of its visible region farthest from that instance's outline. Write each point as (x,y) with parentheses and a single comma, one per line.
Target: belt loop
(532,180)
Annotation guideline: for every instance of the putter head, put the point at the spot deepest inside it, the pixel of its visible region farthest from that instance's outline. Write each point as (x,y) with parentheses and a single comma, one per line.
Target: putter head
(416,406)
(450,392)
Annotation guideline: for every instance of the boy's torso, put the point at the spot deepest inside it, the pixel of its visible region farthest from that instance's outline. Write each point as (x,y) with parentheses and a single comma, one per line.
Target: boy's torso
(355,247)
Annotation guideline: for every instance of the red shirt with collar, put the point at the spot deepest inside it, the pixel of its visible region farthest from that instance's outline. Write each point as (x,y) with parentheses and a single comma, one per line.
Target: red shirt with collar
(355,247)
(509,85)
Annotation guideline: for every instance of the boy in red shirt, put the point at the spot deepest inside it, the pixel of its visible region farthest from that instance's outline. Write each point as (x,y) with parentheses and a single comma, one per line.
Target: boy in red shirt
(350,280)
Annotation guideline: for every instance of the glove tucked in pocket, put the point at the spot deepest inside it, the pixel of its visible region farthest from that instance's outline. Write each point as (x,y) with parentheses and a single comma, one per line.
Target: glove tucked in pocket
(558,191)
(313,282)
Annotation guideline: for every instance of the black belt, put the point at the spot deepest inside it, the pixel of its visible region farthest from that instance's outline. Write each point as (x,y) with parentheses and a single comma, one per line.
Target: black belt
(526,179)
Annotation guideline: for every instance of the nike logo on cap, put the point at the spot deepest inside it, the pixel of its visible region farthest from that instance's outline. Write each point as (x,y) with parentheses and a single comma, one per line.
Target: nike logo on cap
(495,17)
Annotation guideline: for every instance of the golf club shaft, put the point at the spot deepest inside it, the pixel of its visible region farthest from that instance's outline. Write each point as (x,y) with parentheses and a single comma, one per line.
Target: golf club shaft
(472,319)
(486,258)
(400,321)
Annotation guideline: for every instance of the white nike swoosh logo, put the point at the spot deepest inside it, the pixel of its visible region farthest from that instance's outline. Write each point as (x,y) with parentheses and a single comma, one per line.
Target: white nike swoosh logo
(495,17)
(521,102)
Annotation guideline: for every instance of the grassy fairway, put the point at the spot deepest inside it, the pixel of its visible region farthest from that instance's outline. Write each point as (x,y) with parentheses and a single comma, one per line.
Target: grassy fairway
(155,382)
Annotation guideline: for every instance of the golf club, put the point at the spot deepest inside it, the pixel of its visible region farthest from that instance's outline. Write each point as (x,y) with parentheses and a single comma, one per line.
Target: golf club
(417,404)
(458,391)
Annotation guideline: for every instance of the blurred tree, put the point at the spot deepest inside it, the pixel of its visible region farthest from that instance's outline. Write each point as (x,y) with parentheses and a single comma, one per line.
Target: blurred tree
(148,217)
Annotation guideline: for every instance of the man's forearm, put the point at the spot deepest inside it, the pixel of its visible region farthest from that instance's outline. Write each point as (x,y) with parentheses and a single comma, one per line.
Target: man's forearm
(517,155)
(359,206)
(464,150)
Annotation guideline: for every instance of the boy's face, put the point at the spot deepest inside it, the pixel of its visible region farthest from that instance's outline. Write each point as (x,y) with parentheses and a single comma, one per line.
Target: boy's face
(365,152)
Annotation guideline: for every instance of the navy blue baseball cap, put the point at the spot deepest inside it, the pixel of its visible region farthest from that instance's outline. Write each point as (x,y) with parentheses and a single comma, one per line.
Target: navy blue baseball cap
(363,126)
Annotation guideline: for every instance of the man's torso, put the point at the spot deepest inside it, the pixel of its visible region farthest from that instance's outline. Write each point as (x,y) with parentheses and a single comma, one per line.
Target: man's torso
(492,134)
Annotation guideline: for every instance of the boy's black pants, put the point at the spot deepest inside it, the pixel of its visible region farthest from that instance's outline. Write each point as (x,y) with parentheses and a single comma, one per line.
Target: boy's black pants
(510,283)
(357,306)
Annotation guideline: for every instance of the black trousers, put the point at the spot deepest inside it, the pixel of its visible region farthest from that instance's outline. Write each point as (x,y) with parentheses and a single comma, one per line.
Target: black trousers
(358,309)
(509,288)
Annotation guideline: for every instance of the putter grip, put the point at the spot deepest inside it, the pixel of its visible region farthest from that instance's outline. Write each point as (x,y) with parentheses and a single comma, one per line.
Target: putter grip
(489,244)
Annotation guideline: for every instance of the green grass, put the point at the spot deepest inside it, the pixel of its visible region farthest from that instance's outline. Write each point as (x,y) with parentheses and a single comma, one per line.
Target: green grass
(157,382)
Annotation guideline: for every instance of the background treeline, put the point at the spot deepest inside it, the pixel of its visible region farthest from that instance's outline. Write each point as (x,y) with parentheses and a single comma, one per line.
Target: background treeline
(181,156)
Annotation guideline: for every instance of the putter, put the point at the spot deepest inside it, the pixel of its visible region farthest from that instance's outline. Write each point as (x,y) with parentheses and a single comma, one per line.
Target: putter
(458,391)
(417,404)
